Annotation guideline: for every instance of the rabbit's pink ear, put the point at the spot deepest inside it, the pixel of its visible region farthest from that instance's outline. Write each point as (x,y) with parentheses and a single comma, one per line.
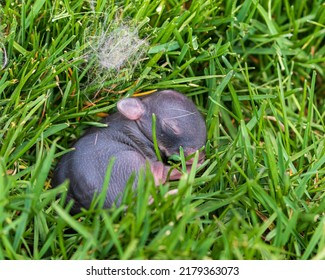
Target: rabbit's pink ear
(131,108)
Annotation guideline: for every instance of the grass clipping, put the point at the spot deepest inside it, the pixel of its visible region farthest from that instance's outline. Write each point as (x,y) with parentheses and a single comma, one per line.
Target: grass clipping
(115,53)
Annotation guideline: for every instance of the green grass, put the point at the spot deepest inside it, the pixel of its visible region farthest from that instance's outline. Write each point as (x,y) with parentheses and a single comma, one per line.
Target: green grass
(255,69)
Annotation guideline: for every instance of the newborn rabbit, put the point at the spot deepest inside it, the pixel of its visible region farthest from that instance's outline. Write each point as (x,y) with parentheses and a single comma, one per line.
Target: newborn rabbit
(129,139)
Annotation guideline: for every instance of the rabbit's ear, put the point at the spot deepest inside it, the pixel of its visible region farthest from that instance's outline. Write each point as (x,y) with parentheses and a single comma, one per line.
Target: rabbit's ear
(131,108)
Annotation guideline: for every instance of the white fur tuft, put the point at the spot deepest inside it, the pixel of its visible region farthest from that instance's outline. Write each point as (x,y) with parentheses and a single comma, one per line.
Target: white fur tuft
(120,46)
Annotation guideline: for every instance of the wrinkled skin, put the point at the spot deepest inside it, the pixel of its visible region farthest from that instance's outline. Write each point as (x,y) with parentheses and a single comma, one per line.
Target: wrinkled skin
(128,138)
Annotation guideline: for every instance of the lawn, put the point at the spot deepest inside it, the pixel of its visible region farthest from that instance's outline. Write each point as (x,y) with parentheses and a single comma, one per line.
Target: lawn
(256,71)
